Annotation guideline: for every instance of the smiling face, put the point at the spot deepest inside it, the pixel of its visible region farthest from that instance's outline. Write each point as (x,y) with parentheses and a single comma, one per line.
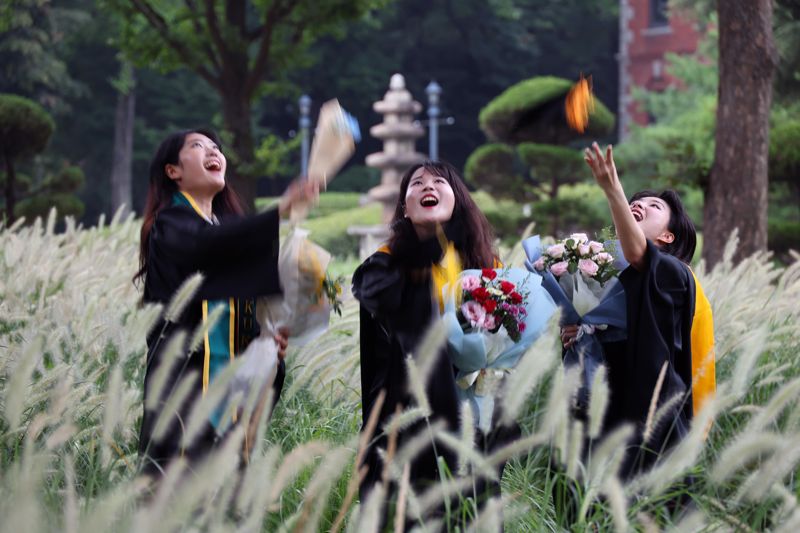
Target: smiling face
(429,200)
(201,167)
(652,214)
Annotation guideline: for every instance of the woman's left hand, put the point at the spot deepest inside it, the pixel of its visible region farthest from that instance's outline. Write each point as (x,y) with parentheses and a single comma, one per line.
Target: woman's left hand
(569,334)
(603,167)
(282,340)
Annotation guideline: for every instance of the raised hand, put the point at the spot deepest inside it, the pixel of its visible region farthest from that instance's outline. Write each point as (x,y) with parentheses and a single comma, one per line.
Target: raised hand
(299,193)
(603,168)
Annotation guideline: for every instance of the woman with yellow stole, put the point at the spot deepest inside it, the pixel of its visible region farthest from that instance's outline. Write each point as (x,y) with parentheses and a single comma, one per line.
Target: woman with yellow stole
(399,289)
(670,328)
(192,223)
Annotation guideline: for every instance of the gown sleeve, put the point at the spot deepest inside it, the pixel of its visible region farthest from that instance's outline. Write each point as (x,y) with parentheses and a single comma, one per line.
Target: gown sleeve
(378,284)
(660,306)
(239,258)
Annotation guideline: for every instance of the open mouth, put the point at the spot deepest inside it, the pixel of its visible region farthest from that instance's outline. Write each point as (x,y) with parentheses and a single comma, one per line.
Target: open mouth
(429,201)
(637,215)
(212,164)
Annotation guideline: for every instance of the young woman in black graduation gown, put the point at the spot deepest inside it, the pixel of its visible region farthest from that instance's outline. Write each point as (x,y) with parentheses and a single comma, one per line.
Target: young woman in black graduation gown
(192,223)
(664,302)
(396,290)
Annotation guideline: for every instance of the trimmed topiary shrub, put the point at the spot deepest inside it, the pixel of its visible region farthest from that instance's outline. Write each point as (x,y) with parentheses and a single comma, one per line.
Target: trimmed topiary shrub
(533,111)
(25,129)
(491,168)
(553,165)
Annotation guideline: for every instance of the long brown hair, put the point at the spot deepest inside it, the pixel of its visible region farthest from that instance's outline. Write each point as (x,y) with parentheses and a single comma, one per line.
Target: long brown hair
(475,242)
(162,189)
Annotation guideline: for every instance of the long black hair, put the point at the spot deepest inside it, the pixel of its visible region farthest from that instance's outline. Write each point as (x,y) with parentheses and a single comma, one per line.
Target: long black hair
(469,229)
(680,225)
(162,189)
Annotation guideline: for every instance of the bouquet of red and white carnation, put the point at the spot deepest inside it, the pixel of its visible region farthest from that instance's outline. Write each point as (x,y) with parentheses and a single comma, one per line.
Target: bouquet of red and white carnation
(491,321)
(490,303)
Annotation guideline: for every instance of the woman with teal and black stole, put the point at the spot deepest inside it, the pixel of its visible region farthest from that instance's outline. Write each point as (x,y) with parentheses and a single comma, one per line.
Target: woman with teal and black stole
(193,223)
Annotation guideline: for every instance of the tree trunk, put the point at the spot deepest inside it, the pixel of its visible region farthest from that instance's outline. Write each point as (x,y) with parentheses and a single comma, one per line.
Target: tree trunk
(236,117)
(122,157)
(737,188)
(11,178)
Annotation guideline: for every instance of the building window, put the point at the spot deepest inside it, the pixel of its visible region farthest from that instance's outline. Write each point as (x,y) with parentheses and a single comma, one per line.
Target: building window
(658,13)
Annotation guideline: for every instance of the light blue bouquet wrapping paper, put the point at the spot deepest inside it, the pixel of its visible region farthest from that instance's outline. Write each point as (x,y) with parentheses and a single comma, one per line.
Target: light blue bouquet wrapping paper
(483,358)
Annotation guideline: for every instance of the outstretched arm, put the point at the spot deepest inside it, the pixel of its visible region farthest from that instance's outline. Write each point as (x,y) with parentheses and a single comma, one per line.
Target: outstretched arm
(632,239)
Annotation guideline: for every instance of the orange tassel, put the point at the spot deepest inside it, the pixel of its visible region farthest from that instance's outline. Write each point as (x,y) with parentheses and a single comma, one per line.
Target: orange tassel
(579,103)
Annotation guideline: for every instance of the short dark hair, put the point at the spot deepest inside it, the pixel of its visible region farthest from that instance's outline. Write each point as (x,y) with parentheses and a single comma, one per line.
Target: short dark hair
(680,224)
(477,245)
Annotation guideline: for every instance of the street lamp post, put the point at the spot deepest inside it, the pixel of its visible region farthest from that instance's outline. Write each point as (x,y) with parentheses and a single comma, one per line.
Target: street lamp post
(433,90)
(304,123)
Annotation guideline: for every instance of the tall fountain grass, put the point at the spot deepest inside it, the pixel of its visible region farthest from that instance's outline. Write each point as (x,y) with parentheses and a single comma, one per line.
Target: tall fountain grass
(71,371)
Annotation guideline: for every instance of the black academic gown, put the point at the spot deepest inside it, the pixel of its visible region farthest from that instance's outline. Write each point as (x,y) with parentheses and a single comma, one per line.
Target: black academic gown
(239,259)
(397,307)
(660,307)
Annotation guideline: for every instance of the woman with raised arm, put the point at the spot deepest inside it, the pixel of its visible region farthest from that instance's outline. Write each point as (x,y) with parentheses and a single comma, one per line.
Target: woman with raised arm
(669,351)
(192,223)
(399,289)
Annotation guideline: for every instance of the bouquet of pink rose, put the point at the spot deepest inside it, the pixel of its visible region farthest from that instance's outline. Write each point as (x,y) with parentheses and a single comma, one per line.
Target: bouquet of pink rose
(581,276)
(582,267)
(490,303)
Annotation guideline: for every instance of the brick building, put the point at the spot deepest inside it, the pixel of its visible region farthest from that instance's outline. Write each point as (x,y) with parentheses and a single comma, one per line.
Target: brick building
(646,33)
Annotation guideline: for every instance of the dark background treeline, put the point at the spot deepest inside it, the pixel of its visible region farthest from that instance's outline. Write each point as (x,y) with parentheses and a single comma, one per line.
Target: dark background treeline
(473,48)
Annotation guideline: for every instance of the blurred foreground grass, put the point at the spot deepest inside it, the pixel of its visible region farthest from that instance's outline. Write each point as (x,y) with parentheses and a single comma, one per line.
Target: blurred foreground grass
(72,357)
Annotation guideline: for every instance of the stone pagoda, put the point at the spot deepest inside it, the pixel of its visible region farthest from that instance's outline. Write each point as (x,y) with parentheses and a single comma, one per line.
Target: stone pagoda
(398,133)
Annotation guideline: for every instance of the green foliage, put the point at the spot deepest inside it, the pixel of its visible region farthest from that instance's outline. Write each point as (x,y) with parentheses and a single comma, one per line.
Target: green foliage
(355,178)
(36,199)
(25,127)
(783,222)
(784,151)
(677,150)
(333,202)
(330,231)
(579,207)
(22,184)
(32,34)
(533,111)
(242,50)
(273,156)
(68,180)
(505,216)
(783,235)
(533,37)
(65,204)
(552,166)
(491,168)
(786,32)
(500,115)
(529,114)
(329,203)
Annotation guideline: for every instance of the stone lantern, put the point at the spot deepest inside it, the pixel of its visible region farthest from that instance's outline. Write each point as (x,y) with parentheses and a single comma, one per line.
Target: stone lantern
(398,133)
